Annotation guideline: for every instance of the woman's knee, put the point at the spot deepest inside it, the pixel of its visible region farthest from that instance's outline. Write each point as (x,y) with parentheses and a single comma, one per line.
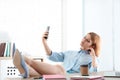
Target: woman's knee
(28,60)
(61,69)
(31,62)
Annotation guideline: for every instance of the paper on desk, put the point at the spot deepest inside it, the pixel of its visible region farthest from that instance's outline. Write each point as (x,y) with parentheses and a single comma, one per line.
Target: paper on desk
(86,77)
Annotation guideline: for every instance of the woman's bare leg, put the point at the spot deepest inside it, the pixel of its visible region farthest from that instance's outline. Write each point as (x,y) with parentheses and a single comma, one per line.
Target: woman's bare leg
(44,68)
(17,62)
(39,67)
(33,73)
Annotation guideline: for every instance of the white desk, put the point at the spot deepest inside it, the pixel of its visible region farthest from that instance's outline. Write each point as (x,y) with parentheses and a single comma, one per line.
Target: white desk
(68,77)
(98,73)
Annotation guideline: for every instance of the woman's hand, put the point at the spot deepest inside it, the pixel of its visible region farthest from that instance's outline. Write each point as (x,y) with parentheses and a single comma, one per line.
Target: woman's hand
(92,52)
(45,36)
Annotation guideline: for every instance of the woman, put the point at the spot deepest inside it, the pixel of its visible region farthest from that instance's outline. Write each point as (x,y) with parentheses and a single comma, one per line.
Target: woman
(87,55)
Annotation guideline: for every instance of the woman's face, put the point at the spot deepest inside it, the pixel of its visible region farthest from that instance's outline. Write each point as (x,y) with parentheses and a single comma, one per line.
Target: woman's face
(86,42)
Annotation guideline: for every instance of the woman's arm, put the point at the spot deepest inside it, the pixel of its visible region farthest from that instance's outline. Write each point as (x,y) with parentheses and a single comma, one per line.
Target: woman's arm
(94,63)
(44,40)
(92,53)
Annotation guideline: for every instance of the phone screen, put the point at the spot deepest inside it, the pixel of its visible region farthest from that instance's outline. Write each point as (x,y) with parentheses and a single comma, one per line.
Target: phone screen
(48,28)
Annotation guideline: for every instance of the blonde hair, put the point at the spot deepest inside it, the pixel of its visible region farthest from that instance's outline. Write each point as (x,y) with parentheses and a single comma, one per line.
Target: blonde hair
(96,41)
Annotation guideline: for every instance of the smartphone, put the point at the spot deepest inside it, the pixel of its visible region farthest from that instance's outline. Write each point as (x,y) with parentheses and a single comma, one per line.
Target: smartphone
(47,30)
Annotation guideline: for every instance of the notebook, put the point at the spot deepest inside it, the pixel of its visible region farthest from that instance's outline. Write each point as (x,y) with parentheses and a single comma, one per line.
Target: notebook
(78,77)
(111,74)
(54,77)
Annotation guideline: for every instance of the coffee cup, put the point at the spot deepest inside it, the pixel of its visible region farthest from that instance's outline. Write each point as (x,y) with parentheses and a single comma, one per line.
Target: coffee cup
(84,70)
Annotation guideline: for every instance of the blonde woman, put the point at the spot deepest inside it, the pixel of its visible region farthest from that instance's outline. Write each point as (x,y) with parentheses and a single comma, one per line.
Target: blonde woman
(87,55)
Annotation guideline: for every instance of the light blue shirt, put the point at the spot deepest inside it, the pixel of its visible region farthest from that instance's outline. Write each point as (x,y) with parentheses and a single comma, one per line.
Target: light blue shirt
(73,59)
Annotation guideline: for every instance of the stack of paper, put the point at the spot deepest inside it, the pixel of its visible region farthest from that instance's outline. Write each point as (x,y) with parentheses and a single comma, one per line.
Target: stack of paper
(78,77)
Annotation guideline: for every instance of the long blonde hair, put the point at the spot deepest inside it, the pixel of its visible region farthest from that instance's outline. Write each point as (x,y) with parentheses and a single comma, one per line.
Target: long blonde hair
(96,41)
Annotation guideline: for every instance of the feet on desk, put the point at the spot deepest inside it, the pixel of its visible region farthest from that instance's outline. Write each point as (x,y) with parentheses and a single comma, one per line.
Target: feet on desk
(19,62)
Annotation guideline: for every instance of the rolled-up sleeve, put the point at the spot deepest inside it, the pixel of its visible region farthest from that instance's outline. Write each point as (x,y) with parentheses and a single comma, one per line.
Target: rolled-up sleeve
(93,69)
(57,57)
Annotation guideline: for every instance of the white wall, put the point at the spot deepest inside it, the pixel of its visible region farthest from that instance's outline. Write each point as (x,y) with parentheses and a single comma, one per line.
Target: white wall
(102,17)
(73,25)
(4,37)
(26,20)
(116,25)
